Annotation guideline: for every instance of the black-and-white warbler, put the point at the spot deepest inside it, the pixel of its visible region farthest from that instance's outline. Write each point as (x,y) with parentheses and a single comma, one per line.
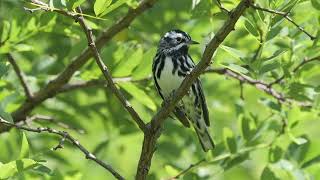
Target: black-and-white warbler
(170,66)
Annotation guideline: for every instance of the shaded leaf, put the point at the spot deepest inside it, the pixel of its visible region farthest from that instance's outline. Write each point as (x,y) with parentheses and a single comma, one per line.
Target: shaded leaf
(24,150)
(251,28)
(229,140)
(311,162)
(316,4)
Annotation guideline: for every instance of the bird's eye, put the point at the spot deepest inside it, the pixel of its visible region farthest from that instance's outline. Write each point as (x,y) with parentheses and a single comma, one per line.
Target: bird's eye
(179,39)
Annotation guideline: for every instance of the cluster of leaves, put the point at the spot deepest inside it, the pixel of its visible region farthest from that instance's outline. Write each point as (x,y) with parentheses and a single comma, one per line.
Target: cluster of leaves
(257,138)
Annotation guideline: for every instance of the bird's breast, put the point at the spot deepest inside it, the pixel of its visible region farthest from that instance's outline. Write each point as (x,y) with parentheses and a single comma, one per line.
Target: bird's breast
(169,79)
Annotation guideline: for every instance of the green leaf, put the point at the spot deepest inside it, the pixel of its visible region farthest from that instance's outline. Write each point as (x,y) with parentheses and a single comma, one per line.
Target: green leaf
(268,174)
(113,6)
(311,162)
(6,116)
(275,154)
(246,132)
(171,170)
(100,6)
(229,140)
(298,149)
(269,103)
(127,64)
(139,95)
(276,54)
(229,163)
(43,169)
(5,31)
(273,32)
(24,150)
(233,52)
(236,68)
(316,4)
(269,67)
(251,28)
(4,67)
(23,47)
(144,68)
(72,4)
(10,169)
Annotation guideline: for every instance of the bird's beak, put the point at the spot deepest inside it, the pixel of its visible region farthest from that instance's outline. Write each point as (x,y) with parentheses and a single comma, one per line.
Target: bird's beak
(193,42)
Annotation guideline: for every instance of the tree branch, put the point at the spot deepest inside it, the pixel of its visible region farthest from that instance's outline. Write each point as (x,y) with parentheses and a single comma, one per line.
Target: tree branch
(153,129)
(39,117)
(66,136)
(285,15)
(106,73)
(21,77)
(51,89)
(97,83)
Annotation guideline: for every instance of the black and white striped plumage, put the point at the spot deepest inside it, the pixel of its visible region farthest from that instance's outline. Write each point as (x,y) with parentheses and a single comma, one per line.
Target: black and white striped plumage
(170,66)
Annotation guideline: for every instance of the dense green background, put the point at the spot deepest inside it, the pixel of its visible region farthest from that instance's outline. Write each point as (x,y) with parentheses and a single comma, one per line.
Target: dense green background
(248,131)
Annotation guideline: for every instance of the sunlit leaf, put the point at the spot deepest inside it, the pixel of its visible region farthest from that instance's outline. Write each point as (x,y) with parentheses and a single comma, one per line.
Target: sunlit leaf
(113,6)
(10,169)
(126,65)
(139,95)
(233,52)
(144,68)
(100,6)
(72,4)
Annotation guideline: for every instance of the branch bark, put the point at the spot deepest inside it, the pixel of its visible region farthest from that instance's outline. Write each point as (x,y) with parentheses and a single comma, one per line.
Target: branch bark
(153,129)
(66,136)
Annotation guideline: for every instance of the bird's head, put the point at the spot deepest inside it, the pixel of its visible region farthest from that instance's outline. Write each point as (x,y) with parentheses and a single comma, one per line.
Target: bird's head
(175,40)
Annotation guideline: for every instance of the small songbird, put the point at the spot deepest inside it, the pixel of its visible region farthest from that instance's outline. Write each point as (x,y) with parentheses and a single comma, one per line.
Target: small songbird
(170,66)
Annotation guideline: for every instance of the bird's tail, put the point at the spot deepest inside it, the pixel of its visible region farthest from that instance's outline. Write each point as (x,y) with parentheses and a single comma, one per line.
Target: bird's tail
(205,139)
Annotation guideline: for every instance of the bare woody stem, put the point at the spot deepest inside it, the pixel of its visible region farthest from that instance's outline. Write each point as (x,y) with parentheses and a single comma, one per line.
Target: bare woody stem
(153,129)
(66,136)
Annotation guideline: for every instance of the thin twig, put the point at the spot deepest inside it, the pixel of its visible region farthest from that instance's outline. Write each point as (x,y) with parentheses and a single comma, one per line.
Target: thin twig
(66,136)
(300,65)
(285,15)
(106,73)
(21,77)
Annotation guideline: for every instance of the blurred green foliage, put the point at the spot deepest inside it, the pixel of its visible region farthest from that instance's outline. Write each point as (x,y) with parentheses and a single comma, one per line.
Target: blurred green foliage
(252,141)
